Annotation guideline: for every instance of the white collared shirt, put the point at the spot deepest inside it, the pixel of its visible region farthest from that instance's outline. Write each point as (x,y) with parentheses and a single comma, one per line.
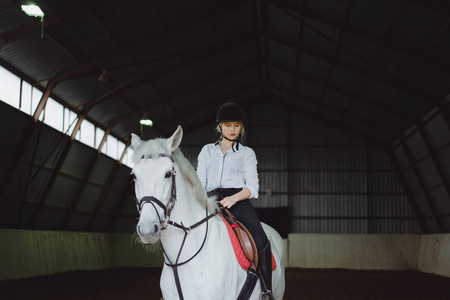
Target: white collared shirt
(230,170)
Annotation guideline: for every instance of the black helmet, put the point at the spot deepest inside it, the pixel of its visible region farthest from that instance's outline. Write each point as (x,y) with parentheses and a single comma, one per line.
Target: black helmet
(230,112)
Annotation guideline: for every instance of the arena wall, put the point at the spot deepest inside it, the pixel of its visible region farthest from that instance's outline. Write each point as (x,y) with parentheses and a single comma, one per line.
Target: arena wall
(434,254)
(425,253)
(354,251)
(29,253)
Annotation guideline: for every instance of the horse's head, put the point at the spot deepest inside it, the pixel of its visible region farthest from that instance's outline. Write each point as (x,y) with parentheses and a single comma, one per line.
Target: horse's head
(154,177)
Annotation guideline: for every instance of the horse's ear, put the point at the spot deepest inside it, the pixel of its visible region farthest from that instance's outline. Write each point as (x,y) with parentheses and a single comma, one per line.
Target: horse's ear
(135,141)
(174,141)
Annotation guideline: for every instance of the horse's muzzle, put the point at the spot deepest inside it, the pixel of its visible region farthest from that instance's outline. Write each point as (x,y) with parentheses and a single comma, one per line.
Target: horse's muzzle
(149,234)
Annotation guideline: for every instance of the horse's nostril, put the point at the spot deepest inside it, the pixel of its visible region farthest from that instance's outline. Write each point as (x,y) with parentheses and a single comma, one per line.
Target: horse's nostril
(156,228)
(139,230)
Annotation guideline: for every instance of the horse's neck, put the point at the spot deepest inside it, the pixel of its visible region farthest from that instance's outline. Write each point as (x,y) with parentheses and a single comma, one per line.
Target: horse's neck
(186,212)
(187,209)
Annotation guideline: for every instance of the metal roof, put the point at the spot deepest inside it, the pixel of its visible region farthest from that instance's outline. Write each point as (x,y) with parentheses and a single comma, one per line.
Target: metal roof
(374,66)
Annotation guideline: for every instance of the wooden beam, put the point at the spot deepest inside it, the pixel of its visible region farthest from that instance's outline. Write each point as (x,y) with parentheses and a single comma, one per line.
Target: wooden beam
(43,102)
(25,138)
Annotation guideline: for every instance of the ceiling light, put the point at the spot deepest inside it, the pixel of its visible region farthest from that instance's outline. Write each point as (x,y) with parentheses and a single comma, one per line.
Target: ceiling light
(146,122)
(103,78)
(32,10)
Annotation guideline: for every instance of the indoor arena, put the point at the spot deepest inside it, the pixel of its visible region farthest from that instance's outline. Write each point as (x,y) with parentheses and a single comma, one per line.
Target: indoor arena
(127,127)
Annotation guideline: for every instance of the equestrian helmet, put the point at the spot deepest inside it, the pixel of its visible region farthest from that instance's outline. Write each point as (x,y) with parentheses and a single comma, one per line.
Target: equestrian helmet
(230,112)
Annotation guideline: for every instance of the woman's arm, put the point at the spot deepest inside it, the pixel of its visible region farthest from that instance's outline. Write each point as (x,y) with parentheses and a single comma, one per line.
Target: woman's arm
(201,167)
(251,173)
(228,202)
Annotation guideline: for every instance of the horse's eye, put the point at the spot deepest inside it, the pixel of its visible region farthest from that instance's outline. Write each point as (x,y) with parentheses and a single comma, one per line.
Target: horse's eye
(168,174)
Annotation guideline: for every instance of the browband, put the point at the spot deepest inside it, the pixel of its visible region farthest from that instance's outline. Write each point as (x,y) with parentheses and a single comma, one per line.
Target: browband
(159,155)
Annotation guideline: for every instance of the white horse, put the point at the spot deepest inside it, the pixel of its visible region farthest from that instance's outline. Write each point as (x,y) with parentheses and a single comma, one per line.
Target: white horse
(199,260)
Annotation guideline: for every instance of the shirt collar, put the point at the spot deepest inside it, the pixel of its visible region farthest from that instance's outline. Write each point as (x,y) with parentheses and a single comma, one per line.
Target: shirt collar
(235,148)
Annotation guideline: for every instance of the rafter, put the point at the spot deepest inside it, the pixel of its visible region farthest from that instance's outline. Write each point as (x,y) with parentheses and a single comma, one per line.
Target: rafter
(410,196)
(341,112)
(423,186)
(134,84)
(337,49)
(351,95)
(391,82)
(432,59)
(211,107)
(191,91)
(49,185)
(333,124)
(220,10)
(382,49)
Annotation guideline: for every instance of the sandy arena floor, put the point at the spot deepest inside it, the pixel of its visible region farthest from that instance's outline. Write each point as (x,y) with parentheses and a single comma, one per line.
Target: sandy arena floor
(300,284)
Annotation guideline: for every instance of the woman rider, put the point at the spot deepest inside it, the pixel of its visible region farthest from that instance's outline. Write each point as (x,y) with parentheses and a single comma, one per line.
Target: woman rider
(228,169)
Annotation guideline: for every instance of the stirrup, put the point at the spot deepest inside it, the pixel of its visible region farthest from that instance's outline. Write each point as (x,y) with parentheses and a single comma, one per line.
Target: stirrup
(267,293)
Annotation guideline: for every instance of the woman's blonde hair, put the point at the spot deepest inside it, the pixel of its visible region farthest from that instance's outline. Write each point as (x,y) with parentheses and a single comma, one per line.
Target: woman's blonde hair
(241,134)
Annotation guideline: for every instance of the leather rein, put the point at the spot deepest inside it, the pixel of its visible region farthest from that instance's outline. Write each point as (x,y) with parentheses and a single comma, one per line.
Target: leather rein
(167,210)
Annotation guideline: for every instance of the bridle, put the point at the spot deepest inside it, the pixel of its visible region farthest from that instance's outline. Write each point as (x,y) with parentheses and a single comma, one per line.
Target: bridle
(167,210)
(152,200)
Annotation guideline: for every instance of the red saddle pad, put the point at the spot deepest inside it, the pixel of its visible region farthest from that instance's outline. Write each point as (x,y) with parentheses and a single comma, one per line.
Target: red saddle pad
(240,256)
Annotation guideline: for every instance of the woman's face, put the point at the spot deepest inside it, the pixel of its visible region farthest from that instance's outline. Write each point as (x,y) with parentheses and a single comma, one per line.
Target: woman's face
(231,130)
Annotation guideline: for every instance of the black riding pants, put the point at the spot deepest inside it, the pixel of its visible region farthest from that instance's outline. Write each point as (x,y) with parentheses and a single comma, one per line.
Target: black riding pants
(245,213)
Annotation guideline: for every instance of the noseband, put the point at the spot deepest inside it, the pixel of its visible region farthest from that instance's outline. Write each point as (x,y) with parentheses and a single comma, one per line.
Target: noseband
(152,200)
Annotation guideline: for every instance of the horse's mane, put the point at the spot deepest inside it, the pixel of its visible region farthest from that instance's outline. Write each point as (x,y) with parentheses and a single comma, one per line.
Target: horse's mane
(158,146)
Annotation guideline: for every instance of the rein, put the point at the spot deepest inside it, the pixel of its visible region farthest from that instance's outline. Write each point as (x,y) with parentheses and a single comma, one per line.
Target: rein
(167,210)
(186,230)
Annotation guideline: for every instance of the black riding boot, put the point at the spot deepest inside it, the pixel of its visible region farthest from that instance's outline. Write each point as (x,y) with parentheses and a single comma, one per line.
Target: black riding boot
(265,270)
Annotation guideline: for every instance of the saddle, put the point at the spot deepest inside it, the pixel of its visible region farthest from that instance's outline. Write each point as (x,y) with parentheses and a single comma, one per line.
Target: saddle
(246,252)
(244,237)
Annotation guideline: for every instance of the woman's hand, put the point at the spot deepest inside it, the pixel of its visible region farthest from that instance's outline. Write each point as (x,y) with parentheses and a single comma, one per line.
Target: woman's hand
(228,202)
